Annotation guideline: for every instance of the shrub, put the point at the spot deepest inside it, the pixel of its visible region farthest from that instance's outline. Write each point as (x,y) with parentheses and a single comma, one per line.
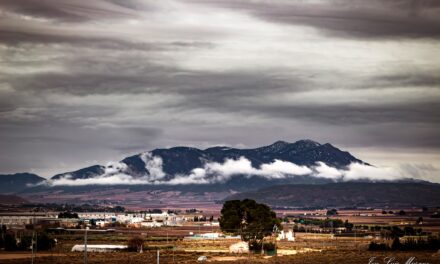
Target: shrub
(256,247)
(396,232)
(378,246)
(45,242)
(67,215)
(135,243)
(269,246)
(332,212)
(396,244)
(25,243)
(431,243)
(10,243)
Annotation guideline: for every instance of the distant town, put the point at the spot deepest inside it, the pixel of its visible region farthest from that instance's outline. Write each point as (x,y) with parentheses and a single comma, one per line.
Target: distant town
(50,233)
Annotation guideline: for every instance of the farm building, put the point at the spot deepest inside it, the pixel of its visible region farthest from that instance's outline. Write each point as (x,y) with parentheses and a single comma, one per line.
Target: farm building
(98,248)
(240,248)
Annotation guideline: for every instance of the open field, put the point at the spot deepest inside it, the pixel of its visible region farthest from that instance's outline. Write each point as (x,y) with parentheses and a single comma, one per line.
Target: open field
(308,247)
(372,217)
(319,250)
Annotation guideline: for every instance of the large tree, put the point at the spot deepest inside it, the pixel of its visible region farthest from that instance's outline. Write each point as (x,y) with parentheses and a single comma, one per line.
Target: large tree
(251,220)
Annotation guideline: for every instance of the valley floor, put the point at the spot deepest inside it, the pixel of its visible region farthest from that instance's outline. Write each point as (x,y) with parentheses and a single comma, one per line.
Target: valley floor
(308,248)
(327,256)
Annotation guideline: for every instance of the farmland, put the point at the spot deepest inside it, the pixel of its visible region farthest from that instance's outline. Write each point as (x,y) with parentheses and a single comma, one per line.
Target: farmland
(307,249)
(314,244)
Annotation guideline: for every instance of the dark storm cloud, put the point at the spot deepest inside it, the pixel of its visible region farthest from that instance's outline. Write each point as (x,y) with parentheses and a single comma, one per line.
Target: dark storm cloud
(9,37)
(84,84)
(359,18)
(150,79)
(351,114)
(408,80)
(88,82)
(61,144)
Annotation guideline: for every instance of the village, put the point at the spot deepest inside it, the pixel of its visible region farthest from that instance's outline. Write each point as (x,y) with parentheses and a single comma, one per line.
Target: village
(191,235)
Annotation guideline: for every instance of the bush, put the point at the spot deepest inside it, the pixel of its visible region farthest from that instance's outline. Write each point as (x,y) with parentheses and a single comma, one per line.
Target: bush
(378,246)
(409,231)
(45,242)
(332,212)
(396,244)
(67,215)
(435,215)
(256,247)
(269,246)
(10,242)
(430,243)
(324,223)
(135,243)
(396,232)
(25,243)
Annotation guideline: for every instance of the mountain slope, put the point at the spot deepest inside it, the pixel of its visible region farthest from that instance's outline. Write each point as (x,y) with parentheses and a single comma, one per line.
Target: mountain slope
(84,173)
(347,194)
(12,199)
(183,160)
(12,183)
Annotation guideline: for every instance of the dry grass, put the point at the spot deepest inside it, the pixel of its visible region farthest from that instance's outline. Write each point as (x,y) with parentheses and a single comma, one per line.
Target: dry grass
(330,256)
(308,248)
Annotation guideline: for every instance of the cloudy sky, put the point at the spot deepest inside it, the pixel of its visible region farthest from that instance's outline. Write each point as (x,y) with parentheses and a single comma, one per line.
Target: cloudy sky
(86,82)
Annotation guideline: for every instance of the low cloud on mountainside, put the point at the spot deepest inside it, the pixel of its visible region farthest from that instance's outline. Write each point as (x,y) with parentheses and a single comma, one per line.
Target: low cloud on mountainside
(214,172)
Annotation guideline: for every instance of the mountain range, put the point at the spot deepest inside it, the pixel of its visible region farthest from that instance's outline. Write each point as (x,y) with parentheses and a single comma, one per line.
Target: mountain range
(13,183)
(168,163)
(300,167)
(182,160)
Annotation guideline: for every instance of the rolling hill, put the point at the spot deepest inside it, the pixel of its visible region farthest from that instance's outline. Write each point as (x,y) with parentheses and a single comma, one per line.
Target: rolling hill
(13,183)
(166,164)
(347,194)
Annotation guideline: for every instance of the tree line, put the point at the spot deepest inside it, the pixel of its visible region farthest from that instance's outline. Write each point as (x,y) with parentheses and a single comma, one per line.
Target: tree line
(11,242)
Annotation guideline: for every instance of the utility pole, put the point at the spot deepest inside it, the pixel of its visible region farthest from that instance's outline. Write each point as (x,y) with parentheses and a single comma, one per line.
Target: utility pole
(32,246)
(36,242)
(158,258)
(275,230)
(33,238)
(85,245)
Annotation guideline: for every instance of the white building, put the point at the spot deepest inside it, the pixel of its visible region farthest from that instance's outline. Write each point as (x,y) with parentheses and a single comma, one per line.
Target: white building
(150,219)
(99,248)
(239,248)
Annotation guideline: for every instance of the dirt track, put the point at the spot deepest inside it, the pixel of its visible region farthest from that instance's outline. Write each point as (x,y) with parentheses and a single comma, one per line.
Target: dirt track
(24,255)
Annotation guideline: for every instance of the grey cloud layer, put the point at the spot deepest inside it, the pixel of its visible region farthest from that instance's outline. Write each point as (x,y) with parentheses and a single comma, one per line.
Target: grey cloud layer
(71,11)
(358,19)
(86,82)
